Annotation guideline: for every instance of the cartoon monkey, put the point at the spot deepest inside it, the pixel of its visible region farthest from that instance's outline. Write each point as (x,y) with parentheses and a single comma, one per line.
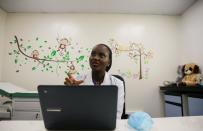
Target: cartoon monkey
(72,69)
(35,54)
(63,43)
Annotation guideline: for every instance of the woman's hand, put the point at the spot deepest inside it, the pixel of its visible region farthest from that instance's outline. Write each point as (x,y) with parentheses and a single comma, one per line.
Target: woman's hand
(72,81)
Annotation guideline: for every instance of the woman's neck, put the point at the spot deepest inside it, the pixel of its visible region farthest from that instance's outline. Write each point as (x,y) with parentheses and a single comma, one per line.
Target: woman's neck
(98,77)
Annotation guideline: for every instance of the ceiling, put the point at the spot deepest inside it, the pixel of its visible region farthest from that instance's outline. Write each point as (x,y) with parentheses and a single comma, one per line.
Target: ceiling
(160,7)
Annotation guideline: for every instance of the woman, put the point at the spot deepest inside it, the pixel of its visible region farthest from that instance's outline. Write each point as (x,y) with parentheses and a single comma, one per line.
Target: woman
(100,62)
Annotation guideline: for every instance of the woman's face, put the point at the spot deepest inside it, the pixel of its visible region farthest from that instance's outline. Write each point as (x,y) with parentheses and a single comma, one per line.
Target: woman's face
(99,58)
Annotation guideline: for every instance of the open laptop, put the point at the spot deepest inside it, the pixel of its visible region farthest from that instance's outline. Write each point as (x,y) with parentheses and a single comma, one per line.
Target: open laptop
(78,107)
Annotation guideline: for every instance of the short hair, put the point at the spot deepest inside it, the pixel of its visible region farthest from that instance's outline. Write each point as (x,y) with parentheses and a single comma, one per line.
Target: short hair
(110,56)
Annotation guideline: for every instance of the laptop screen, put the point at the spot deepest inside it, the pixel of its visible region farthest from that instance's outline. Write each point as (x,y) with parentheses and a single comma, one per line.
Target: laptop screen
(78,107)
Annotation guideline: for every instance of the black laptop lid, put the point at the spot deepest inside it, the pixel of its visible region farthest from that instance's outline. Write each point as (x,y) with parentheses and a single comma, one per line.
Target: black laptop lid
(78,107)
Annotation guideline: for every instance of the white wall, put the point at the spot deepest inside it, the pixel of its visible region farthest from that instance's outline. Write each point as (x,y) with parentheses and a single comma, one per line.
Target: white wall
(2,29)
(192,39)
(158,33)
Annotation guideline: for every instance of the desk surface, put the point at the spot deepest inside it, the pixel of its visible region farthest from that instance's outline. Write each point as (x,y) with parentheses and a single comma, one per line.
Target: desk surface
(194,123)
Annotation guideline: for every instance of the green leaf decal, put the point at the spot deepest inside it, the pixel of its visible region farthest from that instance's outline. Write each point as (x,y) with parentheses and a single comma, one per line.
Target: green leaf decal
(80,58)
(28,47)
(53,53)
(16,61)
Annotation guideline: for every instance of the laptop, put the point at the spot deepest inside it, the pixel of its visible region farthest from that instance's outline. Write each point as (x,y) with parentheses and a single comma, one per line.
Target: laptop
(84,107)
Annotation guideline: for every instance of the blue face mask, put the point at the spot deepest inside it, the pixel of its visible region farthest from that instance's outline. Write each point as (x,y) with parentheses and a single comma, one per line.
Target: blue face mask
(141,121)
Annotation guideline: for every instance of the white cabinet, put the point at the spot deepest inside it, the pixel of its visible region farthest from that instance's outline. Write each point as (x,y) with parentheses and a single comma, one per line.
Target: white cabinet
(24,106)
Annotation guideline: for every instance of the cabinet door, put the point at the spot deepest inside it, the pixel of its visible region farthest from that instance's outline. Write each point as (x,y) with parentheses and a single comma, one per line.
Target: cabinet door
(173,105)
(172,110)
(195,106)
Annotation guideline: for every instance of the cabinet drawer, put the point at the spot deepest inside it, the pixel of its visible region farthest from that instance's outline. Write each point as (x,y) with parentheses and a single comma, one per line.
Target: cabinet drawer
(26,115)
(172,98)
(5,115)
(26,105)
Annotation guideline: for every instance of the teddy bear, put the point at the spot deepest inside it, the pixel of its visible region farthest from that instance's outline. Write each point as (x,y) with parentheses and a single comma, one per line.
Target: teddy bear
(191,75)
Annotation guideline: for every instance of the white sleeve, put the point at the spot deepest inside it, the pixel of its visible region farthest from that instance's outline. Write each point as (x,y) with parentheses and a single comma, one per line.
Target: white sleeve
(120,102)
(85,78)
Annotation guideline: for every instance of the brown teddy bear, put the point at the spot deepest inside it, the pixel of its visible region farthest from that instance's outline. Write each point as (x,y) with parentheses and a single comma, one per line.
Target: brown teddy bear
(191,75)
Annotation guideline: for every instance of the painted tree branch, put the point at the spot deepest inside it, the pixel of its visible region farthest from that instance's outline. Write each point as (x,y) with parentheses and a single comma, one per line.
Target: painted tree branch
(38,59)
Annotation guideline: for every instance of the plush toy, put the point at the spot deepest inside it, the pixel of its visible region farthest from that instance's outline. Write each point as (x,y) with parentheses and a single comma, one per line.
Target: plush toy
(191,75)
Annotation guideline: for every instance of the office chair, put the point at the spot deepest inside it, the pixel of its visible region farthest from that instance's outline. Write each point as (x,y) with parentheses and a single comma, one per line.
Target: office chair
(124,115)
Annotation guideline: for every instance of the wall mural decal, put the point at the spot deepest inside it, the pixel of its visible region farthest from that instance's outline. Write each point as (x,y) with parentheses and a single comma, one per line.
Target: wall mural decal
(137,53)
(51,59)
(70,57)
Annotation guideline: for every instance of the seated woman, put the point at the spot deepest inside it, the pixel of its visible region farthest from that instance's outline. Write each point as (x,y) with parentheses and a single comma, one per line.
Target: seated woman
(100,62)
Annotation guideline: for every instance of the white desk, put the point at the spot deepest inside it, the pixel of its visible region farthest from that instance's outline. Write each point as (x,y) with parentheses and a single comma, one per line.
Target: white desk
(160,124)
